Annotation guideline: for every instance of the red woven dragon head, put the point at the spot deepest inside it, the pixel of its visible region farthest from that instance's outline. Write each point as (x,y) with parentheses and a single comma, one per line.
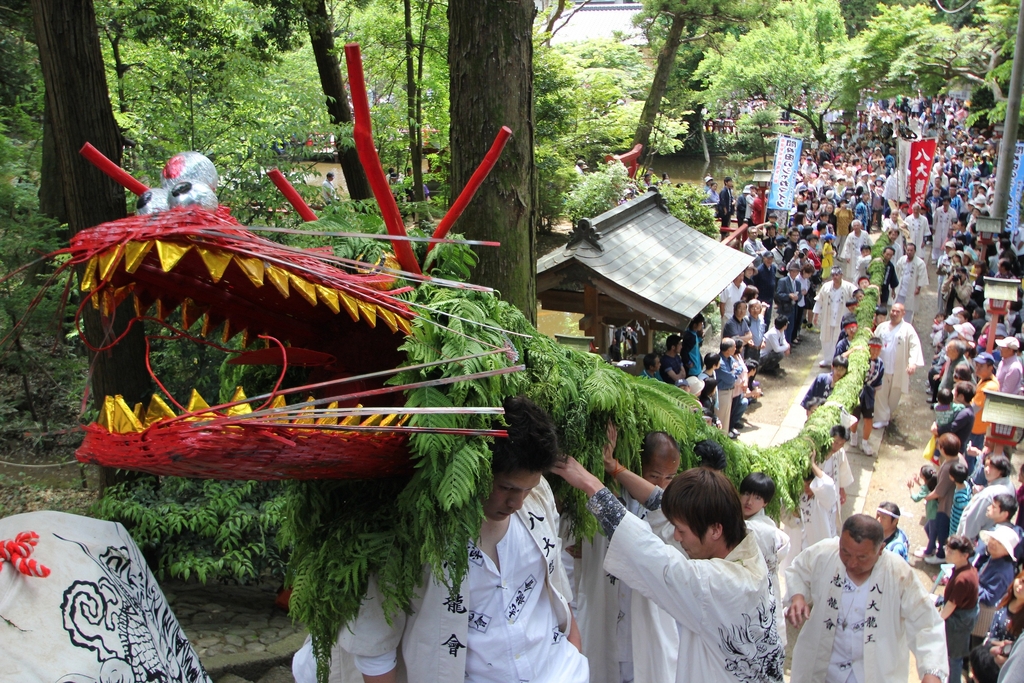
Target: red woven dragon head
(344,319)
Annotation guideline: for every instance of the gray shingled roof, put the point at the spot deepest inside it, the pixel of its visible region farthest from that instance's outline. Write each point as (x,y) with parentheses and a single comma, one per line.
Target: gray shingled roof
(643,248)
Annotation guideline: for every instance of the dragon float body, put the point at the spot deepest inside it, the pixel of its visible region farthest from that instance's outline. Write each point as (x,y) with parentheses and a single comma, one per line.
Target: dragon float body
(384,450)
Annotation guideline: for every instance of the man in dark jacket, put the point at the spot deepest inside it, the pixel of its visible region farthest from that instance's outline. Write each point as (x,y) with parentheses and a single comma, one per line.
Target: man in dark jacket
(890,282)
(725,203)
(765,280)
(787,294)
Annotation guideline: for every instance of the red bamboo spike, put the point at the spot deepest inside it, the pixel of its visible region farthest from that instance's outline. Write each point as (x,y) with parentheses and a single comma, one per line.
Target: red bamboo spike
(363,134)
(473,185)
(291,195)
(118,174)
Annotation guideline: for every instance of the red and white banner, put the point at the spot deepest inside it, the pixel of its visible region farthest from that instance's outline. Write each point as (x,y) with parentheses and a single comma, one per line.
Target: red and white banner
(922,153)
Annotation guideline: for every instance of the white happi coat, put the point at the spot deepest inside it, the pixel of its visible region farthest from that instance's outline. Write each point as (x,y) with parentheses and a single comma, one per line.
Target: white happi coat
(725,607)
(99,616)
(918,228)
(901,617)
(654,636)
(912,274)
(940,231)
(774,545)
(837,466)
(851,251)
(830,311)
(426,637)
(815,516)
(908,351)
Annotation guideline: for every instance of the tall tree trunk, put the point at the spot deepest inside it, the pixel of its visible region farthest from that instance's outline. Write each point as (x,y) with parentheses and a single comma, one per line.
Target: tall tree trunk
(77,99)
(666,62)
(411,97)
(321,37)
(490,56)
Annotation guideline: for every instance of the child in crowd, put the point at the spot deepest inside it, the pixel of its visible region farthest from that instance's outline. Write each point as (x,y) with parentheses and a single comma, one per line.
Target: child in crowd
(881,315)
(961,493)
(865,409)
(756,491)
(828,252)
(816,511)
(959,605)
(926,481)
(849,331)
(949,449)
(823,384)
(946,411)
(863,261)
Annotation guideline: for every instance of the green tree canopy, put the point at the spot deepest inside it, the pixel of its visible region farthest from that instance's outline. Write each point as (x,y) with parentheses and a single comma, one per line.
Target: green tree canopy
(791,61)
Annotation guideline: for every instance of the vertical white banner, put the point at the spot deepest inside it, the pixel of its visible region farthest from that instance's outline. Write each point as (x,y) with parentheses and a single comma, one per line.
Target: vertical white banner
(787,163)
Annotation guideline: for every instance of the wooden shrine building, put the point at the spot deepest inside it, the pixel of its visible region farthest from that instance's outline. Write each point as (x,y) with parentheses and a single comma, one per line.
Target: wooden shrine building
(638,263)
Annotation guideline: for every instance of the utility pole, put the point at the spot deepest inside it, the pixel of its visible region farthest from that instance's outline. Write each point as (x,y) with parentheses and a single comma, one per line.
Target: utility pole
(1009,143)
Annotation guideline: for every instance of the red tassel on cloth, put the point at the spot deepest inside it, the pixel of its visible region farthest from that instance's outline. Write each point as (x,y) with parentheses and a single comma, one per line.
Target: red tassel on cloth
(17,553)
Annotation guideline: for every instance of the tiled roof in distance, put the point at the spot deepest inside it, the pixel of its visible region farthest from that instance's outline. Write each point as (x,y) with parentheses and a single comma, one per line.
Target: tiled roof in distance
(642,247)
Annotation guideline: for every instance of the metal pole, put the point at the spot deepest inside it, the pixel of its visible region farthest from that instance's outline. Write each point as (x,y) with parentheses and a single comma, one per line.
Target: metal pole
(1009,142)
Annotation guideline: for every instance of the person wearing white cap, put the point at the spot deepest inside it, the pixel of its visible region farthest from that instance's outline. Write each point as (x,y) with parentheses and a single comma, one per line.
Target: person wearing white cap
(913,275)
(942,222)
(829,307)
(1010,372)
(996,571)
(862,611)
(901,356)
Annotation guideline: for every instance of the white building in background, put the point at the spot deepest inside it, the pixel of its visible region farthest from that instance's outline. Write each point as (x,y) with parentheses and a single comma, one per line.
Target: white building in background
(598,19)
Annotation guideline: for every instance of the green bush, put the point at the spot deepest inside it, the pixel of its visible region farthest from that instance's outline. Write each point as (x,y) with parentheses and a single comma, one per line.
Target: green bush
(213,530)
(597,192)
(684,202)
(556,177)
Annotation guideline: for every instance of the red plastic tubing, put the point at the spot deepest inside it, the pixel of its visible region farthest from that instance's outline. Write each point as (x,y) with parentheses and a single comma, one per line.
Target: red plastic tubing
(473,185)
(118,174)
(363,134)
(291,195)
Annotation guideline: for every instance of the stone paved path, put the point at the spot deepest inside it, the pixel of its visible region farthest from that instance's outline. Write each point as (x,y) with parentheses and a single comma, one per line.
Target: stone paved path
(235,629)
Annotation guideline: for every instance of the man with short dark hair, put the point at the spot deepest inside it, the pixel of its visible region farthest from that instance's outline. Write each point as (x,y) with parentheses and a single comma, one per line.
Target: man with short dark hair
(671,362)
(510,619)
(766,280)
(859,606)
(726,203)
(719,591)
(652,367)
(327,189)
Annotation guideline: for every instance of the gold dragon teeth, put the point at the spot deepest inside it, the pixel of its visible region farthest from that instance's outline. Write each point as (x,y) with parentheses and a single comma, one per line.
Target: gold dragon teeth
(118,418)
(100,268)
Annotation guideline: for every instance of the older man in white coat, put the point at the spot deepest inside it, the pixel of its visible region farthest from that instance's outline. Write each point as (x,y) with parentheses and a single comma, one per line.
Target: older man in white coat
(829,308)
(913,275)
(901,356)
(917,225)
(851,248)
(863,611)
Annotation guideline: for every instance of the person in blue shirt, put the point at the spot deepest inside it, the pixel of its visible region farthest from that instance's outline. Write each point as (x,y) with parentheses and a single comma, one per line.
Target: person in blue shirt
(823,384)
(862,212)
(888,515)
(995,566)
(652,367)
(692,339)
